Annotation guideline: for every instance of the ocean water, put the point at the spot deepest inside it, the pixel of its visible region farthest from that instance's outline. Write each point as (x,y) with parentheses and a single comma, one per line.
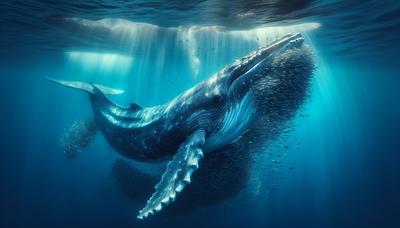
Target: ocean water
(336,165)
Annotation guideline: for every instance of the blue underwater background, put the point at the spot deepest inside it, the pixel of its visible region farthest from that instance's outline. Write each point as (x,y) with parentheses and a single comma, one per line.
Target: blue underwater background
(337,165)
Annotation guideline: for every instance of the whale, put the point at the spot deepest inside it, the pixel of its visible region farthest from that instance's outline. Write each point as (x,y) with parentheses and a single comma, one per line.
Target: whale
(246,102)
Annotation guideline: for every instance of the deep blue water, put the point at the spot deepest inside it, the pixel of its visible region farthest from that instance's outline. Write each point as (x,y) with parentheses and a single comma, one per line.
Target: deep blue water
(336,166)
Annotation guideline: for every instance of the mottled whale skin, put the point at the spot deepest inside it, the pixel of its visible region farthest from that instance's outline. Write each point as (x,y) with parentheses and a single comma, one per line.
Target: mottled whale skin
(240,102)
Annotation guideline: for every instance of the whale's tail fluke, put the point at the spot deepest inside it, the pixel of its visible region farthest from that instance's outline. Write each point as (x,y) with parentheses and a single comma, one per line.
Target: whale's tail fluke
(89,87)
(81,134)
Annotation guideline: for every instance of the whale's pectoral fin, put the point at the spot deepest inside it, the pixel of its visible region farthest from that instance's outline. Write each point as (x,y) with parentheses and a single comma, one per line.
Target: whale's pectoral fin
(177,175)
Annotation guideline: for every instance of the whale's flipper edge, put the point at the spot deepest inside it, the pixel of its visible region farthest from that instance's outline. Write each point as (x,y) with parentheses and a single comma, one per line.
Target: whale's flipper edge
(89,87)
(177,174)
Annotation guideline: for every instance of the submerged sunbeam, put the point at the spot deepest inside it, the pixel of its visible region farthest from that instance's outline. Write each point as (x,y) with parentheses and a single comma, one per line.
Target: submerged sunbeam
(134,35)
(101,61)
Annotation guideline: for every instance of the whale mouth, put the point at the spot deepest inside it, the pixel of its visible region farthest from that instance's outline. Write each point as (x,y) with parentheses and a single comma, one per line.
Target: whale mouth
(247,63)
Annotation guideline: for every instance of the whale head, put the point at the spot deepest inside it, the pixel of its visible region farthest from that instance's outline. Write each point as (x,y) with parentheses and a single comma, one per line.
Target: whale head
(268,85)
(277,76)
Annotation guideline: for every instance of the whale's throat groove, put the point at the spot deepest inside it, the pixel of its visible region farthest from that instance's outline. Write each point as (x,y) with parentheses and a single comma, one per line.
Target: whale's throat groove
(234,123)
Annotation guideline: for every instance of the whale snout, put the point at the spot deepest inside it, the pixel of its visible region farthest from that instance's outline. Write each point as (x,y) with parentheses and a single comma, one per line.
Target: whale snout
(262,56)
(296,43)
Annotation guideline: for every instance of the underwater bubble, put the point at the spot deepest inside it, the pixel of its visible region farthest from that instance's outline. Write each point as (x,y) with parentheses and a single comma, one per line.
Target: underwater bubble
(78,136)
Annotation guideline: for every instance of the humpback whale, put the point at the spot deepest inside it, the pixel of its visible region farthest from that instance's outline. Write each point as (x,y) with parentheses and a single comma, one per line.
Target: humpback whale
(241,103)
